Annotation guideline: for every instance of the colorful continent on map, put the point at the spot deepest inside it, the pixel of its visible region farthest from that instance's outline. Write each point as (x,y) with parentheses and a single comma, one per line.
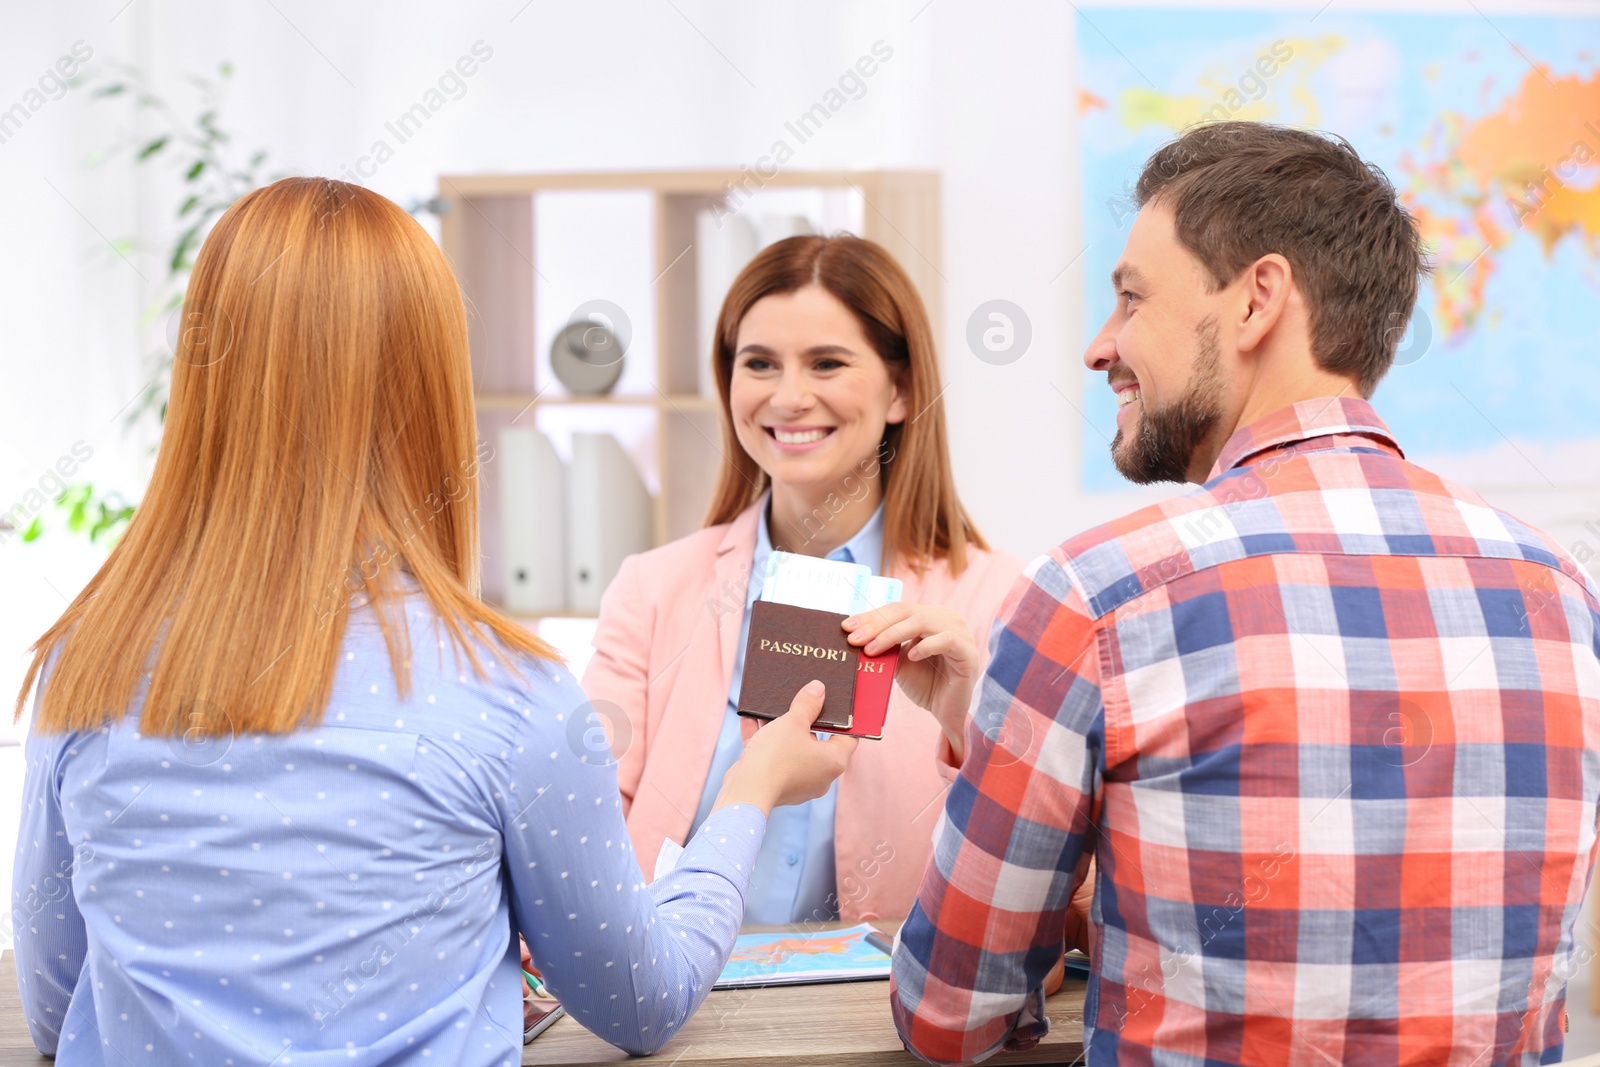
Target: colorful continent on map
(1528,165)
(783,948)
(1254,89)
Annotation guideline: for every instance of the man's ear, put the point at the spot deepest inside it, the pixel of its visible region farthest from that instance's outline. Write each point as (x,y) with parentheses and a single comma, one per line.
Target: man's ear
(1268,284)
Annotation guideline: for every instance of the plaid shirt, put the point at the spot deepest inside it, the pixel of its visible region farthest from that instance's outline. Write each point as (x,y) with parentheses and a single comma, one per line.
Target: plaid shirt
(1330,726)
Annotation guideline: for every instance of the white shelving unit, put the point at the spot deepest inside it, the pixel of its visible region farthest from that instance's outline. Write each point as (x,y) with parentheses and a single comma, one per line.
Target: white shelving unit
(530,249)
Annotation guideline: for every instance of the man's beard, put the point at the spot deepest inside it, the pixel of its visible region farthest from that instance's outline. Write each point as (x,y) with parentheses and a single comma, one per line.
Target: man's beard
(1170,435)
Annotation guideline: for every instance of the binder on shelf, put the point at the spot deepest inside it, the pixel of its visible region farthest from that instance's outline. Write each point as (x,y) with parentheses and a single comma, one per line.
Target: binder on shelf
(610,515)
(533,496)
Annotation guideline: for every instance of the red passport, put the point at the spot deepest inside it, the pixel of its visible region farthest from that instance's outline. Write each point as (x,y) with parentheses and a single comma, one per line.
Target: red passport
(874,683)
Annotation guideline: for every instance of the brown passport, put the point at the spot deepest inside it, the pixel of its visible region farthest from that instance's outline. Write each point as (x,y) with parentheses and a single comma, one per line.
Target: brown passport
(790,646)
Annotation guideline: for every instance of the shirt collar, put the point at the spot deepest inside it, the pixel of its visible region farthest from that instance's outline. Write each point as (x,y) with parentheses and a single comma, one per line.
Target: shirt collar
(865,547)
(1300,422)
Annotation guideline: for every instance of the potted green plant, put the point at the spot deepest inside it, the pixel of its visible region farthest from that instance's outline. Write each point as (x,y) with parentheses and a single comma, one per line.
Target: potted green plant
(209,172)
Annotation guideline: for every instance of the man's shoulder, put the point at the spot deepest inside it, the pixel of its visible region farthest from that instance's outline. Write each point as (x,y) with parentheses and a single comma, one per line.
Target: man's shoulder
(1369,504)
(1128,556)
(1461,522)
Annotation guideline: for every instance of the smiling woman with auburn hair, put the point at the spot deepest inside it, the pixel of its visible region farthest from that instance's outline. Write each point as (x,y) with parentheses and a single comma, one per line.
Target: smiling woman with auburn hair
(923,517)
(834,446)
(287,777)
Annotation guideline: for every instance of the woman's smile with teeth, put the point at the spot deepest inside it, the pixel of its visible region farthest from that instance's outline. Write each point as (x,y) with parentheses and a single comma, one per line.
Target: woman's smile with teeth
(799,437)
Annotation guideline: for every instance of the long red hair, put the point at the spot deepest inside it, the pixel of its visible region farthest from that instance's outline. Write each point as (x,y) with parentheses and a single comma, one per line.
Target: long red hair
(319,442)
(923,518)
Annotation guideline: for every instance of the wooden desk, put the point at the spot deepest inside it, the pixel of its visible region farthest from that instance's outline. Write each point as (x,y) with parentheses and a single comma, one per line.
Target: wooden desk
(840,1025)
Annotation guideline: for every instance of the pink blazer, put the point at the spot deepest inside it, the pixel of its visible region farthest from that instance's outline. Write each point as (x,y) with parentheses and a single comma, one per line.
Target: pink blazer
(664,650)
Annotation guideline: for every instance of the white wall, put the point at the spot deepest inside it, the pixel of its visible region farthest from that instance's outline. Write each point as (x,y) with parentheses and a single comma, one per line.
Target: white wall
(983,92)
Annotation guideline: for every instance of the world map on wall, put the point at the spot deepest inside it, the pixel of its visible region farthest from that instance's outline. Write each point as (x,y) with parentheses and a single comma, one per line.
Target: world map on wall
(1489,127)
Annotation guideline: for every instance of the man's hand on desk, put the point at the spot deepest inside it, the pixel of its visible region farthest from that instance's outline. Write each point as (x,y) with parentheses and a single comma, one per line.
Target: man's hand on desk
(1077,928)
(1078,911)
(1052,981)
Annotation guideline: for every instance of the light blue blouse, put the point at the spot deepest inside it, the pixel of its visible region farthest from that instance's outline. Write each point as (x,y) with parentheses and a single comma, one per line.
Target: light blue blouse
(346,894)
(794,879)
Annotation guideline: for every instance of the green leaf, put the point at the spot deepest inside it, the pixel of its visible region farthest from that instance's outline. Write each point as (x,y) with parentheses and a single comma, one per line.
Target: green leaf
(194,171)
(180,253)
(226,68)
(188,206)
(35,528)
(256,160)
(151,149)
(110,90)
(110,519)
(73,494)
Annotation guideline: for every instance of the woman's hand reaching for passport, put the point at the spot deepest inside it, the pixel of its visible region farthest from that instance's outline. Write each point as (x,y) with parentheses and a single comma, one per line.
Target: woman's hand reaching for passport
(783,762)
(939,661)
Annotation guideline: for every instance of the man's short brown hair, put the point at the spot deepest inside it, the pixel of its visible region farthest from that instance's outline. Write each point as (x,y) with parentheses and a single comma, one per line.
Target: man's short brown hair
(1241,190)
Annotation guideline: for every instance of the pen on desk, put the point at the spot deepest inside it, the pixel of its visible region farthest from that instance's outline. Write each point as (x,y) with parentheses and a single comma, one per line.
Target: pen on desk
(880,942)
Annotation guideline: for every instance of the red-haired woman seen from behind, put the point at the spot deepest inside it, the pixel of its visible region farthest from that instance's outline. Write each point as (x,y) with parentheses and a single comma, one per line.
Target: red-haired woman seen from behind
(266,820)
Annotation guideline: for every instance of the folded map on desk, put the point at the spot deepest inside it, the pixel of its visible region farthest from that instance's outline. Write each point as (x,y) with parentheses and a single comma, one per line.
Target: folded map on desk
(794,959)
